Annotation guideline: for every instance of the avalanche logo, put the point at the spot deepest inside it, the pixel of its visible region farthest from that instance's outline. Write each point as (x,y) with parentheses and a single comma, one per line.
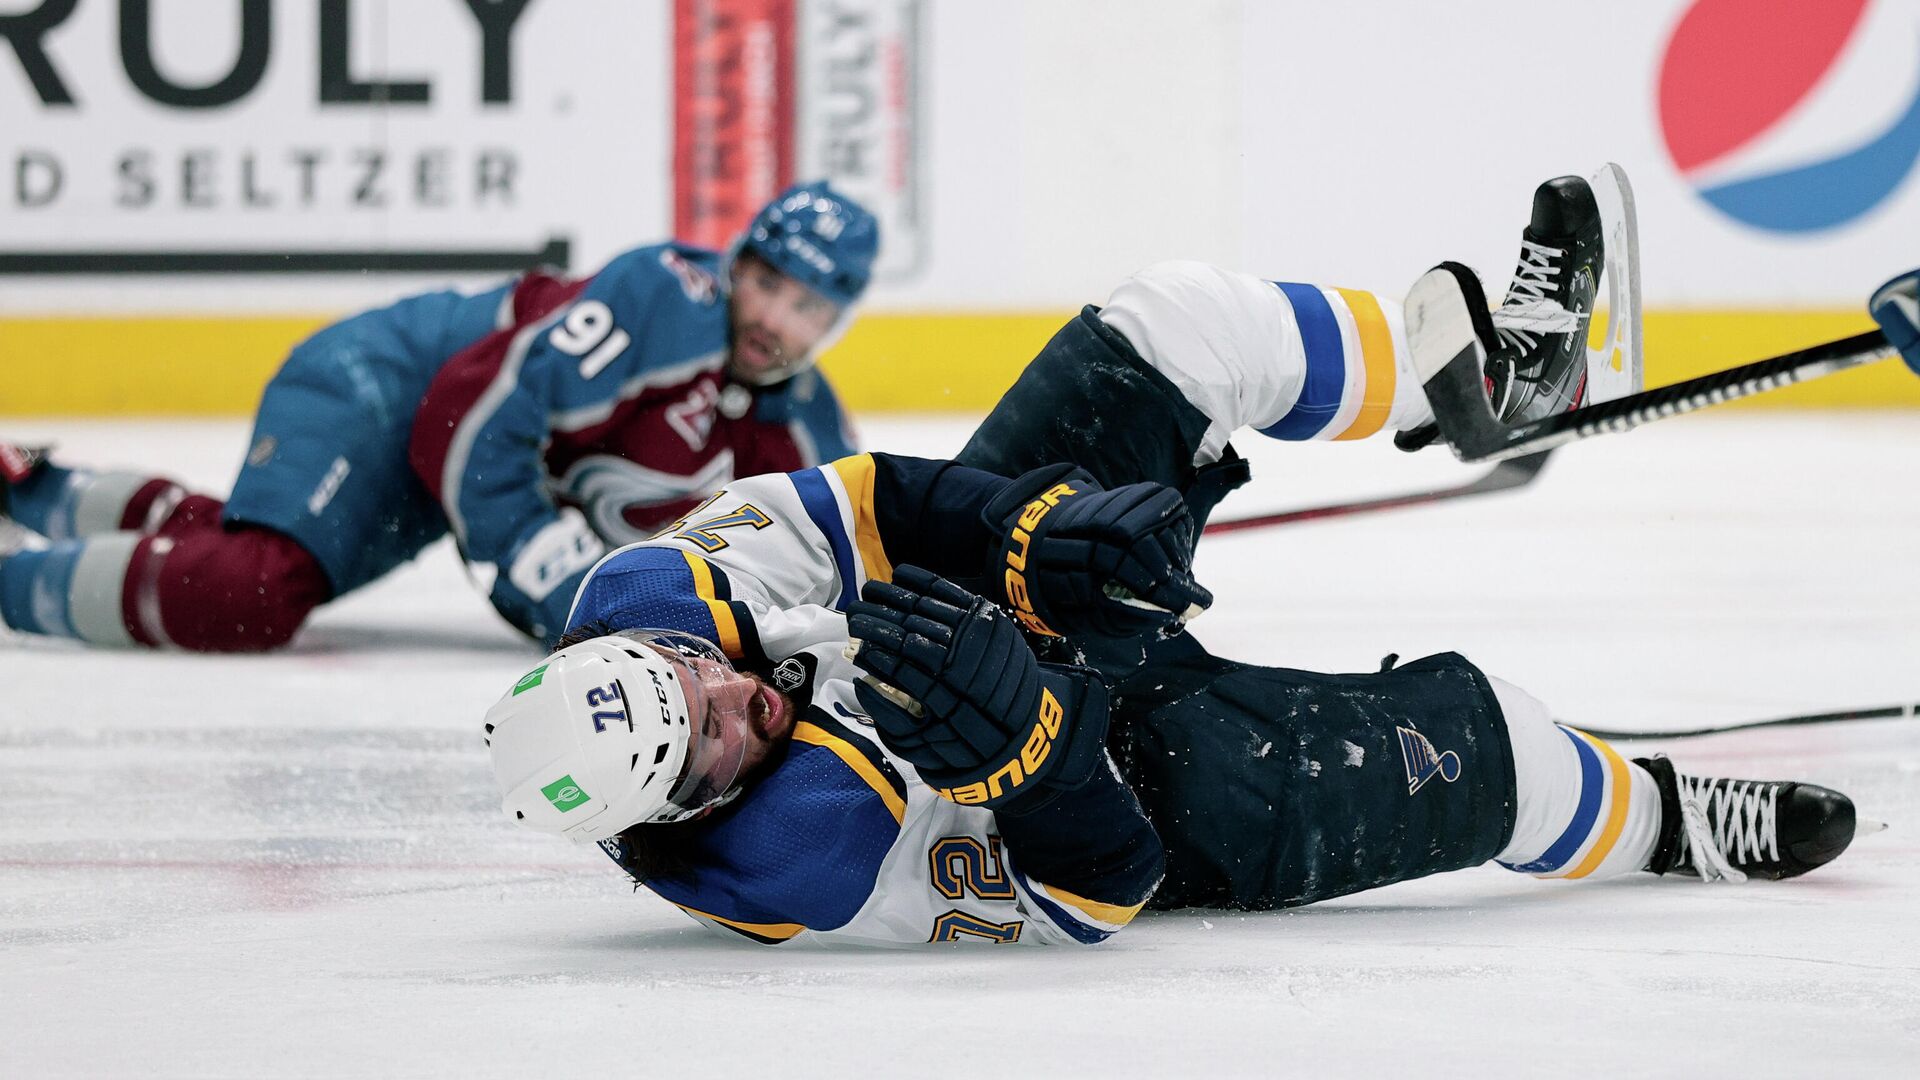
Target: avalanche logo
(1734,70)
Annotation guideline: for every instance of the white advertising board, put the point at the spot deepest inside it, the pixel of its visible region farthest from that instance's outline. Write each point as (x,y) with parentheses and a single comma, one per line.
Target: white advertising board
(1022,156)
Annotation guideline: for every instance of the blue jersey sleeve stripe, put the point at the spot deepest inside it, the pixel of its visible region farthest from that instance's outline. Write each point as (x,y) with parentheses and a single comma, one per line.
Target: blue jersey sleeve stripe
(824,510)
(647,587)
(743,627)
(1591,781)
(710,588)
(1326,381)
(752,652)
(1081,932)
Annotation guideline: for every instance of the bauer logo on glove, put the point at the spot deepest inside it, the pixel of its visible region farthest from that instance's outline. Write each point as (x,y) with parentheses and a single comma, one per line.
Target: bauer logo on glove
(1077,559)
(1019,543)
(1016,770)
(954,690)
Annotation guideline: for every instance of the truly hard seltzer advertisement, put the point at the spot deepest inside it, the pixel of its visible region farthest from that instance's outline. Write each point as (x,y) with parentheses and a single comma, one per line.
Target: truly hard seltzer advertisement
(265,138)
(251,136)
(771,91)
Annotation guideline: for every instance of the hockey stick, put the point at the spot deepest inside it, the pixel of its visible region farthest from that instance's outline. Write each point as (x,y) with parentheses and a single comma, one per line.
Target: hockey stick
(1503,476)
(1447,321)
(1887,712)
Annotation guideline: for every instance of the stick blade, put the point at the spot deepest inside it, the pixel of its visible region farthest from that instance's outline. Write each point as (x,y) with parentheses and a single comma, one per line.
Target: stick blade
(1448,331)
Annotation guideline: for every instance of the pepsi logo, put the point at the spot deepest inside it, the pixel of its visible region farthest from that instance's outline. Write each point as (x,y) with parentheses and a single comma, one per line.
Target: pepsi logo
(1747,107)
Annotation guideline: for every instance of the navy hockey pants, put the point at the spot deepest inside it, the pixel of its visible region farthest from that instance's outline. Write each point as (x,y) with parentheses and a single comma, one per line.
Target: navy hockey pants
(1273,788)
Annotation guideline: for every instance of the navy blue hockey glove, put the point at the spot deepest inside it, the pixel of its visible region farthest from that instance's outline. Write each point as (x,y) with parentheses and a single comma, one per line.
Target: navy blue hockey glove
(1077,559)
(955,690)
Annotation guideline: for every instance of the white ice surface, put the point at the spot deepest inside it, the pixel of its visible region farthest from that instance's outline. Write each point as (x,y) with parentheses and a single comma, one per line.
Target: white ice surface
(292,865)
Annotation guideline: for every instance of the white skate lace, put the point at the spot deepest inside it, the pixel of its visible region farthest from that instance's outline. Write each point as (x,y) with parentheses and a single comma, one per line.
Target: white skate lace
(1528,296)
(1746,829)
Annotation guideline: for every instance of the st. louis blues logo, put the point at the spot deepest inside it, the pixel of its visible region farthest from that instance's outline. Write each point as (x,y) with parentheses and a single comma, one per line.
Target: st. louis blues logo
(1423,764)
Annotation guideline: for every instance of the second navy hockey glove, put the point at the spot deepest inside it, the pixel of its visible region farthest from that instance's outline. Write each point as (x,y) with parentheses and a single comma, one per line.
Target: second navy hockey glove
(1075,558)
(953,688)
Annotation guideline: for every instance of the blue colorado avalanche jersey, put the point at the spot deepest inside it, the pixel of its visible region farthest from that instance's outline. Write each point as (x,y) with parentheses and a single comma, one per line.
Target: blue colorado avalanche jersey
(607,396)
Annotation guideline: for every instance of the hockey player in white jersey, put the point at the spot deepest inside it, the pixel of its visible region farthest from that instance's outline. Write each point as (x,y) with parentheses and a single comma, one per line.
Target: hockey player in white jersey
(944,784)
(706,726)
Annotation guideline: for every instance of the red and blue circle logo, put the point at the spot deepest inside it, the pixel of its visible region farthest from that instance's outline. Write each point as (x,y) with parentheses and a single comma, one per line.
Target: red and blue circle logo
(1734,72)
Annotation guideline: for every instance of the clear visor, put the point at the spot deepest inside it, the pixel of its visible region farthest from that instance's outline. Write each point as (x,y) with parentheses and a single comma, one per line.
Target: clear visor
(719,722)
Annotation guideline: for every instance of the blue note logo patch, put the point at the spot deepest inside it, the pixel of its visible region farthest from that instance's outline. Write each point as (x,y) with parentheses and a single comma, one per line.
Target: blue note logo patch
(1423,763)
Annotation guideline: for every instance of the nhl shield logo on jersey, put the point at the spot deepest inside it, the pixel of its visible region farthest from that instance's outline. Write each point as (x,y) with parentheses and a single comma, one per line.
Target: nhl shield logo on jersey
(1423,763)
(791,675)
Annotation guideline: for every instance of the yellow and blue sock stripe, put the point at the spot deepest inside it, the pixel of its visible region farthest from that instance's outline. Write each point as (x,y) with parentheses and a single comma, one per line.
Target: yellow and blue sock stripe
(1598,818)
(1351,370)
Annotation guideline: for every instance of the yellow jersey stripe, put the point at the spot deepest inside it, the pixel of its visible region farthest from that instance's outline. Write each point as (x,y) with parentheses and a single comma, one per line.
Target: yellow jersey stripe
(776,931)
(1111,914)
(815,735)
(1621,779)
(722,612)
(856,475)
(1376,346)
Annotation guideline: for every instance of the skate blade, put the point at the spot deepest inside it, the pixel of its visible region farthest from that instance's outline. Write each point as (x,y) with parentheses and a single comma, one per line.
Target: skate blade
(1616,364)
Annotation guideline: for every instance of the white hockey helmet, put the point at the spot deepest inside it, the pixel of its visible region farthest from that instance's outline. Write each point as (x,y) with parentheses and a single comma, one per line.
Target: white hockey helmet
(597,738)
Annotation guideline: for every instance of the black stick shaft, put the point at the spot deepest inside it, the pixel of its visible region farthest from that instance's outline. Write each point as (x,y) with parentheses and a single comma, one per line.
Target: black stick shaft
(1885,712)
(1623,414)
(1504,476)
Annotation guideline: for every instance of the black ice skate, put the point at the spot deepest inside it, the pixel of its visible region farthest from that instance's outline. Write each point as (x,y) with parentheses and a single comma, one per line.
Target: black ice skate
(1531,372)
(1534,375)
(1731,830)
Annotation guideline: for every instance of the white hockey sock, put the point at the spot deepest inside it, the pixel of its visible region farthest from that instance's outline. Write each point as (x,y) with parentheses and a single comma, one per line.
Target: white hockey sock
(1583,811)
(1292,361)
(90,503)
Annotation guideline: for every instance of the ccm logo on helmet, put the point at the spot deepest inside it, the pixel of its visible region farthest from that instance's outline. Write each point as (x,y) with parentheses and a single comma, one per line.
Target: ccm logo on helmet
(1020,769)
(1022,537)
(660,695)
(809,254)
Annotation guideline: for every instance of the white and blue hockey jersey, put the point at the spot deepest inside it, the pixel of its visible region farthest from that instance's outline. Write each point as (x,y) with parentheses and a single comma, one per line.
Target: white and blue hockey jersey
(839,840)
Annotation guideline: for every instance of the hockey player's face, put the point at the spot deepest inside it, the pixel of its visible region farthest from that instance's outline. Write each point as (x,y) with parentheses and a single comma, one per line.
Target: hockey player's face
(774,319)
(737,721)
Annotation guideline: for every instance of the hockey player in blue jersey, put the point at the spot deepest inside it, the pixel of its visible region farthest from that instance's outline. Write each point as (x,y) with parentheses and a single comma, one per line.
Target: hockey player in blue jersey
(812,707)
(539,422)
